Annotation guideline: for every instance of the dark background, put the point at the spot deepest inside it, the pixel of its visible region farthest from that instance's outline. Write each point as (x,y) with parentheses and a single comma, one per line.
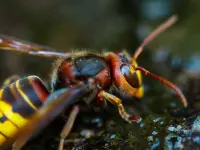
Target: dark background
(97,25)
(109,25)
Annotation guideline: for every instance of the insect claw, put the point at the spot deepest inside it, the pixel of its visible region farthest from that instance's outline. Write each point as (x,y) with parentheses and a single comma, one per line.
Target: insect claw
(127,117)
(136,119)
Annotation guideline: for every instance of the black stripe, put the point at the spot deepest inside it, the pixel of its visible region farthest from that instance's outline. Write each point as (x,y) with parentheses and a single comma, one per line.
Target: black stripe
(30,92)
(3,119)
(7,95)
(21,106)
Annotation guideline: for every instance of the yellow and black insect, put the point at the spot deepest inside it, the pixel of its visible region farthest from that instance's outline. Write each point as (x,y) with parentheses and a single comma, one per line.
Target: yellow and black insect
(26,106)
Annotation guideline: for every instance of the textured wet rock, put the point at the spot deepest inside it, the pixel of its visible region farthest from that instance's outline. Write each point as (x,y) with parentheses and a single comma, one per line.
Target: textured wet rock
(111,141)
(154,133)
(185,135)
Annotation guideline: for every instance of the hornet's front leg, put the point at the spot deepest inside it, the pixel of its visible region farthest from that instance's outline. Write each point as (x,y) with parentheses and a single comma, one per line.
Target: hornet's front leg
(102,95)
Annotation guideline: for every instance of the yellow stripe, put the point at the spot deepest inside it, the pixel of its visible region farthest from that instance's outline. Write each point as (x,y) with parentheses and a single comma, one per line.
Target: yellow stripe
(25,97)
(16,118)
(1,115)
(8,129)
(1,93)
(2,139)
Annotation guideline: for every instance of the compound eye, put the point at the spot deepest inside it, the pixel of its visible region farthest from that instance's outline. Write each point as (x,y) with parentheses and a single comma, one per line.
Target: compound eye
(131,78)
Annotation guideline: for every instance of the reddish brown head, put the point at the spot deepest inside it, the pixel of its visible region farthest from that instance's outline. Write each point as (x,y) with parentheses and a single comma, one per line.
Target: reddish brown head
(125,77)
(127,74)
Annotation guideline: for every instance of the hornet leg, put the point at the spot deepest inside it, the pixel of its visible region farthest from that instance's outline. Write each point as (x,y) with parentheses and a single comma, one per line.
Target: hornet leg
(20,142)
(117,101)
(68,126)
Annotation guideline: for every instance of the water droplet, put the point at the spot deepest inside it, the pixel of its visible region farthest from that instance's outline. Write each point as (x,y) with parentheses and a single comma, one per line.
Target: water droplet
(156,120)
(150,138)
(171,128)
(154,132)
(112,136)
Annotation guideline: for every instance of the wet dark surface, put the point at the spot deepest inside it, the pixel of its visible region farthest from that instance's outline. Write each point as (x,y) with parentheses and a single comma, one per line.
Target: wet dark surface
(112,26)
(165,123)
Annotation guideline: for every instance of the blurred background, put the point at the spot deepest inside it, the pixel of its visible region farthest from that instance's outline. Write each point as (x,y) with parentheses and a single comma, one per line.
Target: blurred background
(101,25)
(110,25)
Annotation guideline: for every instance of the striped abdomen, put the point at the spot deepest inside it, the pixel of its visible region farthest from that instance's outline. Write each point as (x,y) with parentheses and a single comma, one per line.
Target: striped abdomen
(18,101)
